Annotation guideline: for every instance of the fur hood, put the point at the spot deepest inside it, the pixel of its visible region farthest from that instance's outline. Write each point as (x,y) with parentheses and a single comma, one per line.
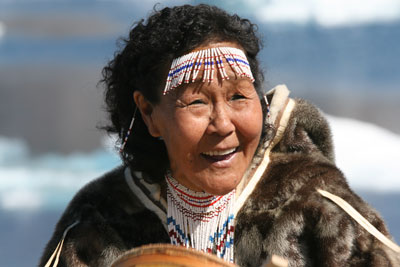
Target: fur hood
(283,214)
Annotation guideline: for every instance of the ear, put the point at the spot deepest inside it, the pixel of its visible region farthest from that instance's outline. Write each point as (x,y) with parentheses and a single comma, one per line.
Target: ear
(146,110)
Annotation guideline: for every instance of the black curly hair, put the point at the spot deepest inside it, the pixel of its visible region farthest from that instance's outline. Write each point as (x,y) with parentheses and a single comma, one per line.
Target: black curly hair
(144,60)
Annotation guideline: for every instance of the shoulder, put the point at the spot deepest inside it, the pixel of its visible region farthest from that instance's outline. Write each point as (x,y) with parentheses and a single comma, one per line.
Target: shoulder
(109,191)
(303,161)
(108,218)
(102,195)
(286,206)
(307,132)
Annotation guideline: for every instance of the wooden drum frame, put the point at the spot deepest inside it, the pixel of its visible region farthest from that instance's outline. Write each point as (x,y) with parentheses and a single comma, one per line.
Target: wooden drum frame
(155,255)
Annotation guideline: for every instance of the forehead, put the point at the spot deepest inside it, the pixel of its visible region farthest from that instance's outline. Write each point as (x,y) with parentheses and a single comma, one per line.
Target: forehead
(232,85)
(206,63)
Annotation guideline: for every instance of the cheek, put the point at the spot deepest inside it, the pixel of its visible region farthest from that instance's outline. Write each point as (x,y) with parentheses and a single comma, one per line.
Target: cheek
(182,136)
(250,123)
(188,128)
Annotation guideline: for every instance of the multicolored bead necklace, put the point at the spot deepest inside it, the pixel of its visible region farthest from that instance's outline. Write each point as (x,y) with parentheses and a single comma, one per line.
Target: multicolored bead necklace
(200,220)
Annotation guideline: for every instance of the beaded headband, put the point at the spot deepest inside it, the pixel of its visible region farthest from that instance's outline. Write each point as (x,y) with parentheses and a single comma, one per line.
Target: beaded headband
(187,67)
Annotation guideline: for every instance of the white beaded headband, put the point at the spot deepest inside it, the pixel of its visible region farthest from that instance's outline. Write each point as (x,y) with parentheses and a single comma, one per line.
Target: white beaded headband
(187,67)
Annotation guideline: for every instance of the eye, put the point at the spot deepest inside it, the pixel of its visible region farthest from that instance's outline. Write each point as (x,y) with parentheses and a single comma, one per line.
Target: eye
(237,97)
(197,102)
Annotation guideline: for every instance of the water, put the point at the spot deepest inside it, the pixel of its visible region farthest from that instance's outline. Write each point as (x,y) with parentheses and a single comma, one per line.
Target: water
(24,236)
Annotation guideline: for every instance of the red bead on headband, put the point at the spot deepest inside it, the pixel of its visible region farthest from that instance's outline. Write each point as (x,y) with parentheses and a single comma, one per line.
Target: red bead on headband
(190,64)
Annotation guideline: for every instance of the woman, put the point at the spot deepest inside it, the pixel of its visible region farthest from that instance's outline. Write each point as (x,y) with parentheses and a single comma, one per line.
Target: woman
(210,162)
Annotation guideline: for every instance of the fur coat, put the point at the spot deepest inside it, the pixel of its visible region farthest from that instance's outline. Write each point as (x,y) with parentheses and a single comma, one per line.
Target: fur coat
(284,214)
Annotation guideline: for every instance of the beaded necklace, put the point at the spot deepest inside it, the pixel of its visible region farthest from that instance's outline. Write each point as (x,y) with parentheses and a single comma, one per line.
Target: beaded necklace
(200,220)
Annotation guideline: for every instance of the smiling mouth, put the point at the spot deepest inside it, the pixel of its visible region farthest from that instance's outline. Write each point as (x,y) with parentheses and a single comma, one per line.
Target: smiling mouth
(219,155)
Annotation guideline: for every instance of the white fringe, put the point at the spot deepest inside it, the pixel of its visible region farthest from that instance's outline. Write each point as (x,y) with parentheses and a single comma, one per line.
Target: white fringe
(201,221)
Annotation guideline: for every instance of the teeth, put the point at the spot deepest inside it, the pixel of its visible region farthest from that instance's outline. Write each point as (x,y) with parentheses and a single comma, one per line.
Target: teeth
(220,152)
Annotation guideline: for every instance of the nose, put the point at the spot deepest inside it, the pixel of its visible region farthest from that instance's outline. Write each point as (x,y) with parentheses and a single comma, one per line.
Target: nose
(220,120)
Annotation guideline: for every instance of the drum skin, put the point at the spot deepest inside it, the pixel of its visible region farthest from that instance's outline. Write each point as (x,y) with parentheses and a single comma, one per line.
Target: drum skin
(168,255)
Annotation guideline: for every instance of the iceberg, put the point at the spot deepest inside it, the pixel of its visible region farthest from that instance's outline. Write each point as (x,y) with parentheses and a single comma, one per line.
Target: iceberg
(46,182)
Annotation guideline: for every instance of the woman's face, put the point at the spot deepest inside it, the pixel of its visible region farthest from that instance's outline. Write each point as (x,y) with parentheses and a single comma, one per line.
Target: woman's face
(211,130)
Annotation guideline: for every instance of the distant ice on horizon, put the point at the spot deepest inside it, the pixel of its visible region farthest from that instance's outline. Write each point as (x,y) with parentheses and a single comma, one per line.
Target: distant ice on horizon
(326,13)
(367,154)
(2,29)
